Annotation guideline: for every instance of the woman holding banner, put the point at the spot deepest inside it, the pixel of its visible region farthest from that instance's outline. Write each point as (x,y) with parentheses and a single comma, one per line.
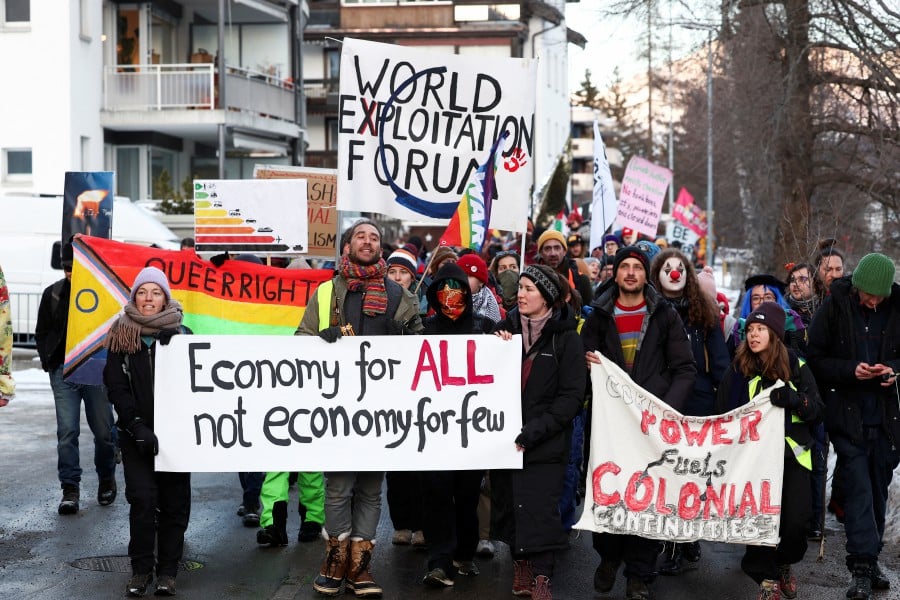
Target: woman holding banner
(762,361)
(160,502)
(525,503)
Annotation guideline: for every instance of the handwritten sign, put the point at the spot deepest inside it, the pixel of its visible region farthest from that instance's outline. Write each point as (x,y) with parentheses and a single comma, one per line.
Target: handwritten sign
(367,403)
(641,196)
(659,474)
(414,125)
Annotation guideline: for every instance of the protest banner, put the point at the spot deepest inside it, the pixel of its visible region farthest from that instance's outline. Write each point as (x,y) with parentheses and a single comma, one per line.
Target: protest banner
(414,125)
(689,214)
(641,197)
(250,215)
(236,298)
(678,232)
(87,204)
(363,403)
(658,474)
(321,203)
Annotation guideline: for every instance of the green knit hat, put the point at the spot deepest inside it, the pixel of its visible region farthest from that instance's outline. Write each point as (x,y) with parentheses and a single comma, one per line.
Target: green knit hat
(874,275)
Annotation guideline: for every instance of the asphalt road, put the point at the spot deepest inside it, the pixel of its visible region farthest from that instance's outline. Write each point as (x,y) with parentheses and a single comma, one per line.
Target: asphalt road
(47,556)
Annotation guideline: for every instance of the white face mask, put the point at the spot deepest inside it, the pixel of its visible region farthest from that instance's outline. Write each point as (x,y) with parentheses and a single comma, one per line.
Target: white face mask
(672,277)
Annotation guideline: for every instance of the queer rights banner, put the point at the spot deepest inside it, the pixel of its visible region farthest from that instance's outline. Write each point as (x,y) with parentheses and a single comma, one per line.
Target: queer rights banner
(661,475)
(367,403)
(236,298)
(414,125)
(641,196)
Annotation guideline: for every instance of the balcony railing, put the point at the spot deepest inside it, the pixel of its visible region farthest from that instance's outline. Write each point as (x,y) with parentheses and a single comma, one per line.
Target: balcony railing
(193,85)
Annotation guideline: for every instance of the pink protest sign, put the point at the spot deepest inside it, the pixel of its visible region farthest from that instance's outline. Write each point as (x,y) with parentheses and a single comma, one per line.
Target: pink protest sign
(688,213)
(641,197)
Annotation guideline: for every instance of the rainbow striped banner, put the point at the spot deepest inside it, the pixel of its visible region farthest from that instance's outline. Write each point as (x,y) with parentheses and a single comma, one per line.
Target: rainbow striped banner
(236,298)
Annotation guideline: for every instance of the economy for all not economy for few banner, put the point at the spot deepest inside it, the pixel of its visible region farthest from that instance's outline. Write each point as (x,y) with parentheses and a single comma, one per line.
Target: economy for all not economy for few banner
(363,403)
(414,125)
(236,298)
(658,474)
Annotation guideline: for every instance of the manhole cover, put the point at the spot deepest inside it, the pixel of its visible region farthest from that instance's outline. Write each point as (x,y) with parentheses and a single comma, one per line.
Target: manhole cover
(121,564)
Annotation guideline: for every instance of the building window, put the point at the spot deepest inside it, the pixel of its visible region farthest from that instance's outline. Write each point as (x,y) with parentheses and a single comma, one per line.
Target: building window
(331,134)
(17,165)
(15,13)
(84,12)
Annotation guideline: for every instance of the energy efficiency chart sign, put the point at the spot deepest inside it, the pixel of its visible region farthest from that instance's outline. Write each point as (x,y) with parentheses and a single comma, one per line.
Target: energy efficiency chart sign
(250,215)
(413,126)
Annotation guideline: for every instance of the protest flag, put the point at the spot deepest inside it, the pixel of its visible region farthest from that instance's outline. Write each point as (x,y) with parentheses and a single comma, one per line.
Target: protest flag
(470,222)
(604,203)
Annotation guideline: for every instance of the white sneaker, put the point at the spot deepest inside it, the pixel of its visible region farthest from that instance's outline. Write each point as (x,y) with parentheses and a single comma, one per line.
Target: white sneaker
(485,548)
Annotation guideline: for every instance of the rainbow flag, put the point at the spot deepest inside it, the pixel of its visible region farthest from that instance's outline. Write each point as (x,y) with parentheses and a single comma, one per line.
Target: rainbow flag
(236,298)
(470,222)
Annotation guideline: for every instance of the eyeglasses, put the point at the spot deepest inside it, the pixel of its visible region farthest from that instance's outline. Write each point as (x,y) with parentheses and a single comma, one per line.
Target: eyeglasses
(765,298)
(798,280)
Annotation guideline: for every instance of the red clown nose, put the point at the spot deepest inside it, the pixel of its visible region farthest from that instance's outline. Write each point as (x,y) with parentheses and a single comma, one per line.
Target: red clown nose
(675,275)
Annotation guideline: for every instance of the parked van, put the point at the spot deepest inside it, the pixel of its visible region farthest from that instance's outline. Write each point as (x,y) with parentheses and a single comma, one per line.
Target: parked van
(30,227)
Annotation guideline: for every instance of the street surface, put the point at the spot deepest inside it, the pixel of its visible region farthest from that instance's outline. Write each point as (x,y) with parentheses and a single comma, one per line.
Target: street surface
(47,556)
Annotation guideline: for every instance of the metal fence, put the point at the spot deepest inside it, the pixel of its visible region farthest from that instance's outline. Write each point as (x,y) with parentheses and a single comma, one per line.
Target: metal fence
(24,308)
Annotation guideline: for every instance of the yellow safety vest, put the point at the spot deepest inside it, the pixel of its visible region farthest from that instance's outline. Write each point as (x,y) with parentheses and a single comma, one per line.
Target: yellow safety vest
(803,454)
(323,299)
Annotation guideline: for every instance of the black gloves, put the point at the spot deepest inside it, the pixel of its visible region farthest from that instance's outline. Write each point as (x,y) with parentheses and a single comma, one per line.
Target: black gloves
(165,335)
(219,259)
(520,440)
(331,334)
(785,397)
(144,438)
(395,327)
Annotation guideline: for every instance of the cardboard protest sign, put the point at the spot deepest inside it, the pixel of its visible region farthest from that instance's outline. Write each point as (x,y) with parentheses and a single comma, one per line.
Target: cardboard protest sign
(414,125)
(250,215)
(236,298)
(321,203)
(641,197)
(658,474)
(366,403)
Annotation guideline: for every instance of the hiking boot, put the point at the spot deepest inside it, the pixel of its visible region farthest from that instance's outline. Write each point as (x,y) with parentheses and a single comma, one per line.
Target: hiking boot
(769,590)
(523,578)
(879,581)
(69,504)
(359,580)
(671,563)
(310,531)
(402,537)
(541,588)
(165,585)
(485,549)
(690,551)
(418,539)
(106,492)
(334,567)
(139,585)
(636,589)
(437,578)
(466,567)
(861,584)
(271,536)
(787,583)
(605,576)
(250,518)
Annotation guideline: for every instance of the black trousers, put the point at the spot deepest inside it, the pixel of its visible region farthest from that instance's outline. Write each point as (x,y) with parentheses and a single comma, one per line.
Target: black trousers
(404,498)
(761,562)
(160,509)
(451,522)
(639,554)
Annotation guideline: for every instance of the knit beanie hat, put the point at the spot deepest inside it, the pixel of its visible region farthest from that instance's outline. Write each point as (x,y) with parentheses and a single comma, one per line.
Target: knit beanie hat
(630,252)
(874,275)
(439,255)
(151,275)
(401,257)
(545,280)
(552,234)
(473,265)
(611,237)
(770,314)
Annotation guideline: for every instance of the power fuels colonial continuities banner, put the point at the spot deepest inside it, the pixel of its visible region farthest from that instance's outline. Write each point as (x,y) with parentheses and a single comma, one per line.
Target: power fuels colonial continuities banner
(414,125)
(236,298)
(363,403)
(658,474)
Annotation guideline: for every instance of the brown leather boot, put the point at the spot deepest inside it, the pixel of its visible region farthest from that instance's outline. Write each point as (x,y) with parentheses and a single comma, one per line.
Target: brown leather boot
(359,580)
(334,568)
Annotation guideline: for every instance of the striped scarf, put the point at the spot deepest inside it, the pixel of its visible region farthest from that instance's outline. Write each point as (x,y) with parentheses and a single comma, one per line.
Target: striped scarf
(370,279)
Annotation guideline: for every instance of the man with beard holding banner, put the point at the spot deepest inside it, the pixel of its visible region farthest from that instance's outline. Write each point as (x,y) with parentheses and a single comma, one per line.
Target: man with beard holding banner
(359,300)
(633,326)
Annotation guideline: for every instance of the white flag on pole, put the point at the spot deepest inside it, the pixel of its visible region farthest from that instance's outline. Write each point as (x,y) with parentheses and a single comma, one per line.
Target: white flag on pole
(603,205)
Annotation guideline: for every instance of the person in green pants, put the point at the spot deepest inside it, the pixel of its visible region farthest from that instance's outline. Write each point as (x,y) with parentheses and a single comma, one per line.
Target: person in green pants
(274,499)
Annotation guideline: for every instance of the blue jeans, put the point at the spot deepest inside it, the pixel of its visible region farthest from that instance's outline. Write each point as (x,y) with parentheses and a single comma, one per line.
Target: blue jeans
(98,411)
(866,472)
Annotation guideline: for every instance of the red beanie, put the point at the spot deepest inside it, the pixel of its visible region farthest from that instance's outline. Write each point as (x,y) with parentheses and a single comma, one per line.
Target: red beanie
(474,265)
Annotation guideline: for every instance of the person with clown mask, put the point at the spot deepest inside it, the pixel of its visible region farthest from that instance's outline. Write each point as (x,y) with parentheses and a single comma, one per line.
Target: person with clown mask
(674,276)
(451,521)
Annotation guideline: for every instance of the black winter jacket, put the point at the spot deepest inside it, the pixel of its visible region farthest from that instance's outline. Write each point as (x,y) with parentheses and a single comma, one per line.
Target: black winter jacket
(664,363)
(833,356)
(52,321)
